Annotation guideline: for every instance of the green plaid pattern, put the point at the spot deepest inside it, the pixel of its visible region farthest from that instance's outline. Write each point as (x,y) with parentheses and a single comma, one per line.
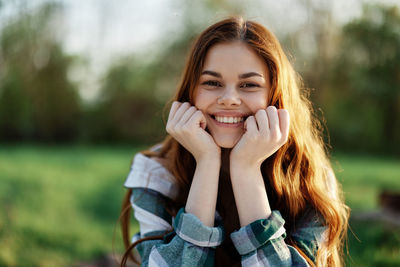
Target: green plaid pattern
(188,227)
(191,243)
(257,234)
(261,243)
(151,201)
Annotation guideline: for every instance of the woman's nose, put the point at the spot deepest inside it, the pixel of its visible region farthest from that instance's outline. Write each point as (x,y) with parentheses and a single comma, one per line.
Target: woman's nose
(229,96)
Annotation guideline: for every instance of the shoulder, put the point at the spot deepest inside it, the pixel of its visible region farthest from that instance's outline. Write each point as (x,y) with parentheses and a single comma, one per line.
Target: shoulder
(163,162)
(152,173)
(310,226)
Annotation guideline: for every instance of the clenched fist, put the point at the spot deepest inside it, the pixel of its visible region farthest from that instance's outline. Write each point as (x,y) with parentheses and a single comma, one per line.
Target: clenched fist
(264,134)
(187,125)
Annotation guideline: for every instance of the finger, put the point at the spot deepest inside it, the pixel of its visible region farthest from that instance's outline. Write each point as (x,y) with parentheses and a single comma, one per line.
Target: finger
(174,107)
(179,113)
(273,118)
(186,116)
(199,119)
(262,120)
(284,123)
(250,124)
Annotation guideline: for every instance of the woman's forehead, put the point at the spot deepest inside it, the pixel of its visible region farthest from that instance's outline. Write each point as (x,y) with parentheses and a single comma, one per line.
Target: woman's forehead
(234,58)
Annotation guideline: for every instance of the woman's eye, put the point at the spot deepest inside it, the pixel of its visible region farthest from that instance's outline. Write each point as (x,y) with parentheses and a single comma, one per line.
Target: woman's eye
(212,83)
(249,85)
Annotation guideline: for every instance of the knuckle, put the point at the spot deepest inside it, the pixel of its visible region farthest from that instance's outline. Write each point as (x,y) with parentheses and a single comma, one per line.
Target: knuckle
(183,106)
(271,110)
(260,111)
(198,113)
(282,140)
(278,137)
(176,104)
(192,109)
(275,136)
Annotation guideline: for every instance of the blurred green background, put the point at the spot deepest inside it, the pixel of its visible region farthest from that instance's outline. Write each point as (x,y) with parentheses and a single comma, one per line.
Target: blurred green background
(83,86)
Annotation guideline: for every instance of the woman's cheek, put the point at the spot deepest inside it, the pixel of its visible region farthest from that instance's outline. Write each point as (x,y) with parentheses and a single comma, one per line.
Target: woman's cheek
(202,94)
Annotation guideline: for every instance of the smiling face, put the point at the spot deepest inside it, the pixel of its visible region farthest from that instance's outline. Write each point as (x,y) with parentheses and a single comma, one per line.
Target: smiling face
(233,85)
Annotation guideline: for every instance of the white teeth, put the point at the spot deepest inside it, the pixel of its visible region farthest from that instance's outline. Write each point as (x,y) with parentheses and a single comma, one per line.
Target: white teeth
(229,119)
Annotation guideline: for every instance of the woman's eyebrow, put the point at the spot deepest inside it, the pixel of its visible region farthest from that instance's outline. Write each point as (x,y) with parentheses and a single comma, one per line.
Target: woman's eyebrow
(212,73)
(241,76)
(250,74)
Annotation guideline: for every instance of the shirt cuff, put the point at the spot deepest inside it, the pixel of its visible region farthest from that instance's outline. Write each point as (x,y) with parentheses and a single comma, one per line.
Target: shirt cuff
(256,234)
(188,227)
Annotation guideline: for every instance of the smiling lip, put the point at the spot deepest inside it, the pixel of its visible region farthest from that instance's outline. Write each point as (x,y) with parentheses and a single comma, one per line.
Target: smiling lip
(228,114)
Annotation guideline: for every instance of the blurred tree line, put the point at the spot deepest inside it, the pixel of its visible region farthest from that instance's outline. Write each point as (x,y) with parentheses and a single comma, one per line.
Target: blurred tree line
(354,76)
(37,101)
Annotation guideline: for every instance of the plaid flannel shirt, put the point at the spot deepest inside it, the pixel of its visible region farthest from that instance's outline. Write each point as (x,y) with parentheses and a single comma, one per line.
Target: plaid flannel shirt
(191,243)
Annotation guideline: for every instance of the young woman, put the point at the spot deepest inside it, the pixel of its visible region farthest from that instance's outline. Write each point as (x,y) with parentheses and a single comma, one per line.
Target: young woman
(243,177)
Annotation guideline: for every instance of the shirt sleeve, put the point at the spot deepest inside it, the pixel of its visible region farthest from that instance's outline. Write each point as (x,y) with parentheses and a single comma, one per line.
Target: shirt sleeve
(190,243)
(262,242)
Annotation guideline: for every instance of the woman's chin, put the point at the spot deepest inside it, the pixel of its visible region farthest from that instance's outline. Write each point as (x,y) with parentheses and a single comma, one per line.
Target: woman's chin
(226,145)
(226,142)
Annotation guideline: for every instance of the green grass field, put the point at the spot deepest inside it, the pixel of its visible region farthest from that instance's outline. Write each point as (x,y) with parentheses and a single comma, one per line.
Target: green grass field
(370,243)
(60,205)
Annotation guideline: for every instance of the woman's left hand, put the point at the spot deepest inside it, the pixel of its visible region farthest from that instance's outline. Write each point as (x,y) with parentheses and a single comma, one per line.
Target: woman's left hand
(264,134)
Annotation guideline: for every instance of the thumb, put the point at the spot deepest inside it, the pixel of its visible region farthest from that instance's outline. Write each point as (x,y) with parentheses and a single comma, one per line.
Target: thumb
(203,122)
(199,118)
(250,124)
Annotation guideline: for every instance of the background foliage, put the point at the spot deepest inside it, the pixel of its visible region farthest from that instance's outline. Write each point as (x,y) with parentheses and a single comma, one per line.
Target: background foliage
(353,73)
(63,158)
(37,100)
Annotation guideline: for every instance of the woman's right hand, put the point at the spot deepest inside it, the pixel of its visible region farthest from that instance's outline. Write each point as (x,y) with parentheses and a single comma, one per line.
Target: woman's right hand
(187,125)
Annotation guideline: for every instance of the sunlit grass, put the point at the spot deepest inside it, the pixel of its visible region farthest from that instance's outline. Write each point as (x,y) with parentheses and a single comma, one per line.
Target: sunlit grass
(60,205)
(364,177)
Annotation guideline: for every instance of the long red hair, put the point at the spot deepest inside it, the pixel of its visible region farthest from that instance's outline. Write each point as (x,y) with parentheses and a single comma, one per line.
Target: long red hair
(298,174)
